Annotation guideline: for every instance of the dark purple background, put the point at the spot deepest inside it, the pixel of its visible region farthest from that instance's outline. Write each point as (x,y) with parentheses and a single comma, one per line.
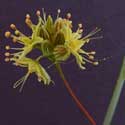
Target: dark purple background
(52,105)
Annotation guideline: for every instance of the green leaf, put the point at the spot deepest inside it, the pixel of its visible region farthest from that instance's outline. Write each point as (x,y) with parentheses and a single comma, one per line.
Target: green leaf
(116,95)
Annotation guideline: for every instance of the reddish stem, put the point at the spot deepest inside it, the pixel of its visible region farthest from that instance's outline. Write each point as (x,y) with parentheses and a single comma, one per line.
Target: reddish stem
(81,107)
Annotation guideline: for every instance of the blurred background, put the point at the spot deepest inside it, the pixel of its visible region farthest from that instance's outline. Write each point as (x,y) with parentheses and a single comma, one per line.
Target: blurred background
(52,105)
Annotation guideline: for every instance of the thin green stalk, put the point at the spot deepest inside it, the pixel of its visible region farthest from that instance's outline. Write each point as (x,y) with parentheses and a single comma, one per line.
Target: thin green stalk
(77,101)
(116,95)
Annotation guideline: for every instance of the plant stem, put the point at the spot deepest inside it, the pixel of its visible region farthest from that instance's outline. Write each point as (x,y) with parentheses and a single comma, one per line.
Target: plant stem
(81,107)
(116,96)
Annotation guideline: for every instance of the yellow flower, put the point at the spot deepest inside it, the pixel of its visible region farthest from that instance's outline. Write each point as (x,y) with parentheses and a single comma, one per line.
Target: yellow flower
(33,66)
(74,42)
(55,39)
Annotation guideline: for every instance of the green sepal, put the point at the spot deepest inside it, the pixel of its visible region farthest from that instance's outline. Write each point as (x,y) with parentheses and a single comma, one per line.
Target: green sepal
(50,25)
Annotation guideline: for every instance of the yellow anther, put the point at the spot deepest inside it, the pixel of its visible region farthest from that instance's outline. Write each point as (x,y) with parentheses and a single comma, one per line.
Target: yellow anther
(27,16)
(80,25)
(93,52)
(14,40)
(17,32)
(68,15)
(12,26)
(7,47)
(7,54)
(91,57)
(7,59)
(59,11)
(38,13)
(95,63)
(7,34)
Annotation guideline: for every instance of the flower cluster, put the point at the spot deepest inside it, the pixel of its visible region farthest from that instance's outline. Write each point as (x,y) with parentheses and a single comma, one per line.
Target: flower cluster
(55,39)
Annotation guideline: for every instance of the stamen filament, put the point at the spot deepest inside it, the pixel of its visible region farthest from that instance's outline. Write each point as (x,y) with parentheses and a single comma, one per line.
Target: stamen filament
(17,83)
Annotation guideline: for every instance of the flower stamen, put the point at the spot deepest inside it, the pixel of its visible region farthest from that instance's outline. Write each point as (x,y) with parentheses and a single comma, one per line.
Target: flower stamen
(68,16)
(38,13)
(7,47)
(7,59)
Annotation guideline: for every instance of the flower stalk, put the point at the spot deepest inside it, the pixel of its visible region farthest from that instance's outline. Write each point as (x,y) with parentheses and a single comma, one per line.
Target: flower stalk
(72,94)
